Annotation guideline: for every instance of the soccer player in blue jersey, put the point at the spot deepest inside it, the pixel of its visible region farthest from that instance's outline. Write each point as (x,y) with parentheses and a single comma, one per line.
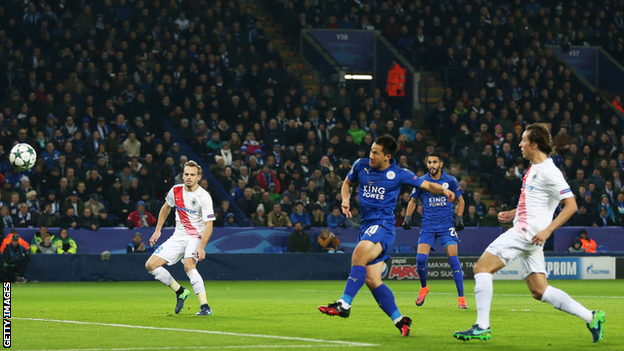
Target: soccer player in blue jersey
(380,181)
(438,223)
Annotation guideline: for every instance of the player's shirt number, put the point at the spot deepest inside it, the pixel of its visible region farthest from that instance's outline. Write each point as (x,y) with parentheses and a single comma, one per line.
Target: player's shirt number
(371,230)
(453,232)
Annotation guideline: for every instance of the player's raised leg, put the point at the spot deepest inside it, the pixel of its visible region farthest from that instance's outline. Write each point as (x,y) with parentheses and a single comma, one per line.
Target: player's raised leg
(487,265)
(197,282)
(540,290)
(385,298)
(421,267)
(364,252)
(154,266)
(458,274)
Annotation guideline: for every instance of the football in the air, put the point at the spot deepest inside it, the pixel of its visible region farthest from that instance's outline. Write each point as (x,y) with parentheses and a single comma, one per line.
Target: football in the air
(23,157)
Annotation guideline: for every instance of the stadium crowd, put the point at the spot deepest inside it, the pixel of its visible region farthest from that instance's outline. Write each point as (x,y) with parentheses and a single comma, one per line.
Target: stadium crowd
(88,84)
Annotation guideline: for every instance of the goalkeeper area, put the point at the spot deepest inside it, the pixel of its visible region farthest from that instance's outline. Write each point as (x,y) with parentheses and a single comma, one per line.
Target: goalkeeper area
(282,315)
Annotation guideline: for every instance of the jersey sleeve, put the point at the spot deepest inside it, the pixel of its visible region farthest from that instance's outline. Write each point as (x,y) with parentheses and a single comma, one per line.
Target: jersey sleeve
(454,187)
(355,170)
(416,192)
(408,177)
(207,208)
(557,185)
(170,198)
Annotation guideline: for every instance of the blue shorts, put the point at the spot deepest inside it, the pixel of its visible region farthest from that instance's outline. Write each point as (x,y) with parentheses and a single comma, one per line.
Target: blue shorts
(378,231)
(445,237)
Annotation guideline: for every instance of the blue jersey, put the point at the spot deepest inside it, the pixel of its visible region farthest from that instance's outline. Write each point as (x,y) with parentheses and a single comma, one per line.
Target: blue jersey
(437,210)
(379,190)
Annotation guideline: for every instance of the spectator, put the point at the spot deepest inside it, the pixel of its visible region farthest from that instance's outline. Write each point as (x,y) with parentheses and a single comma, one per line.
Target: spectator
(300,215)
(318,217)
(94,204)
(588,244)
(74,202)
(140,218)
(64,244)
(16,259)
(336,219)
(355,219)
(69,220)
(248,204)
(38,238)
(47,218)
(105,220)
(229,221)
(278,218)
(88,221)
(24,218)
(45,246)
(583,218)
(603,220)
(298,240)
(491,218)
(471,219)
(136,246)
(577,246)
(328,242)
(259,218)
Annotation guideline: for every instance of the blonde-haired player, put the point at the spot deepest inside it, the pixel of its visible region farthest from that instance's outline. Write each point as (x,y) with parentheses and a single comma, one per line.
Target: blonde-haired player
(194,216)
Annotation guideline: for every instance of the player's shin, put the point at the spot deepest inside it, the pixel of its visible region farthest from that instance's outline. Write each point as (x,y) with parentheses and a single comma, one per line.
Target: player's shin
(484,289)
(458,275)
(421,266)
(163,276)
(198,285)
(356,280)
(562,301)
(385,299)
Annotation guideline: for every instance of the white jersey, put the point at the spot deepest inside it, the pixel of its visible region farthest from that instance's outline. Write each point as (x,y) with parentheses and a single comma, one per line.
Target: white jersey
(543,187)
(193,209)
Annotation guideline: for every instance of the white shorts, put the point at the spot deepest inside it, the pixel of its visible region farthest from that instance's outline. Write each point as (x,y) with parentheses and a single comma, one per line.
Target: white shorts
(175,248)
(512,245)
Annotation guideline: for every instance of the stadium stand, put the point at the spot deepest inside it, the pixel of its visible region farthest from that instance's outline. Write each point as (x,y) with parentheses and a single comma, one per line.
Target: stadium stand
(116,95)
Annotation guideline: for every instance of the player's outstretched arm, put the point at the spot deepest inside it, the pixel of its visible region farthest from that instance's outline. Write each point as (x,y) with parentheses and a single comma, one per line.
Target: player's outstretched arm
(201,248)
(437,189)
(565,214)
(346,195)
(506,216)
(162,217)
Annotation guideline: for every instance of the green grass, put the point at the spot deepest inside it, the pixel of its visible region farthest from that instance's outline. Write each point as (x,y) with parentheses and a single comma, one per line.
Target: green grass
(289,309)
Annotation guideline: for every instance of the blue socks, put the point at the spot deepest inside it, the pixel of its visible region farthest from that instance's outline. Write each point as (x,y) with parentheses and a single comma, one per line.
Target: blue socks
(385,299)
(458,275)
(356,280)
(421,266)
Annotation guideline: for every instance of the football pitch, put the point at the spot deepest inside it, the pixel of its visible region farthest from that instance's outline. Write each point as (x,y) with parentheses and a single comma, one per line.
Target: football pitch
(267,315)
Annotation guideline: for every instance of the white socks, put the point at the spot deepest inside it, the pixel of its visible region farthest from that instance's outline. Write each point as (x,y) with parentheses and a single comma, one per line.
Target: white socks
(484,289)
(196,281)
(562,301)
(163,276)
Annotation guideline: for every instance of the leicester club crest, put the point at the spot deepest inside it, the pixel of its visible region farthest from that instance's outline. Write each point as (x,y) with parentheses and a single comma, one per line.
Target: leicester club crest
(445,185)
(390,175)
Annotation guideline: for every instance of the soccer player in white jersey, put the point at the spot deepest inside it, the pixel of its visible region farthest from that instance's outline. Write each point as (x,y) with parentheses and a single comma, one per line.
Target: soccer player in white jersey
(543,187)
(194,217)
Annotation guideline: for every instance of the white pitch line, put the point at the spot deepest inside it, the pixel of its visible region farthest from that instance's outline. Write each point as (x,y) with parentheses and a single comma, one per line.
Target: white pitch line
(192,347)
(336,342)
(443,293)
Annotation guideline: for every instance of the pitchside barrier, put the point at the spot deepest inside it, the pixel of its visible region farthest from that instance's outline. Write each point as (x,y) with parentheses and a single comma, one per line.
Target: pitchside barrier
(239,254)
(473,241)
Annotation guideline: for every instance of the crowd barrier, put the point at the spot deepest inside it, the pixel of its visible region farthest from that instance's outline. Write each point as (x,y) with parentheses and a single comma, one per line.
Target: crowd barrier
(299,266)
(256,240)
